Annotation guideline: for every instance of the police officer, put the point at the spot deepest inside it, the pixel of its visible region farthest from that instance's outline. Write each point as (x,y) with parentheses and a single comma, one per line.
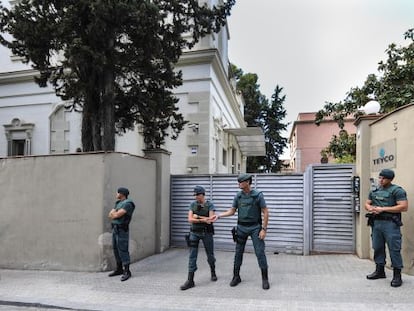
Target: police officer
(250,205)
(120,217)
(199,216)
(385,205)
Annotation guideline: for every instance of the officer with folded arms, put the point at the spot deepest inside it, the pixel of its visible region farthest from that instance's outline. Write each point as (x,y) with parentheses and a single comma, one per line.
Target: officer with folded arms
(120,217)
(385,205)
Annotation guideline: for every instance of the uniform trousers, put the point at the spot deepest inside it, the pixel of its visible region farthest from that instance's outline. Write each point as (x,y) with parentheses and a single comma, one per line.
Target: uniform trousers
(387,232)
(120,242)
(208,243)
(243,232)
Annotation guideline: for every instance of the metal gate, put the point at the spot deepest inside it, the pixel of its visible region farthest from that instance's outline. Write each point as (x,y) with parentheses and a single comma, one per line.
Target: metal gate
(332,216)
(283,195)
(302,207)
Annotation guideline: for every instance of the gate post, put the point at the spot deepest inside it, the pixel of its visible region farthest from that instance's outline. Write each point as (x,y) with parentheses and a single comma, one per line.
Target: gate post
(162,197)
(307,209)
(363,170)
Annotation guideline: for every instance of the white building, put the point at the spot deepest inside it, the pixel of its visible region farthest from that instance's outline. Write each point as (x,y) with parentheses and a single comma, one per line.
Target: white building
(33,120)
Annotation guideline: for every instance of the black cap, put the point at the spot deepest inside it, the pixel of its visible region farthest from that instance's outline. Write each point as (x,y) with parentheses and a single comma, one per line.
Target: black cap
(123,190)
(387,173)
(199,190)
(244,177)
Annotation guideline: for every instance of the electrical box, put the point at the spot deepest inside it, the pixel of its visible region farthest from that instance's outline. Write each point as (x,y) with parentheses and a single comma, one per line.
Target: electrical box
(356,186)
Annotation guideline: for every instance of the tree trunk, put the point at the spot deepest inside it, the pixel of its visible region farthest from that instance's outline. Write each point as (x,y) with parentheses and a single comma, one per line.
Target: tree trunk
(108,109)
(108,115)
(91,129)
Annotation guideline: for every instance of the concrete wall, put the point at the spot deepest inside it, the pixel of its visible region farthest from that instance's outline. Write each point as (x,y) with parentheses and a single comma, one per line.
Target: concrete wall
(397,127)
(54,210)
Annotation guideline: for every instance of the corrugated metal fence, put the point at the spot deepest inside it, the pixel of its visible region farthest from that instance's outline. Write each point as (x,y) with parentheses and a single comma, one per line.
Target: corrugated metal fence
(302,209)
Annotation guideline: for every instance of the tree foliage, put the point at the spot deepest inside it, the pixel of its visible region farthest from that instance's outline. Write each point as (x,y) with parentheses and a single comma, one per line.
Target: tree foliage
(342,148)
(271,119)
(113,60)
(393,87)
(259,112)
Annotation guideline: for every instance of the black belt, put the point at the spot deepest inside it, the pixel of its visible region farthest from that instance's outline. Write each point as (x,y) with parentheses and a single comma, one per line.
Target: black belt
(198,230)
(120,226)
(251,223)
(382,217)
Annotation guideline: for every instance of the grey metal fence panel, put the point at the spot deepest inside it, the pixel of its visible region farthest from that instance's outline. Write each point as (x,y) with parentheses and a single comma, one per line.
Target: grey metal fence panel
(284,198)
(283,195)
(181,195)
(333,217)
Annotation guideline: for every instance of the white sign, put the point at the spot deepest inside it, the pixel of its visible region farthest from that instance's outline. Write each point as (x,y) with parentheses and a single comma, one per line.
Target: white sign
(384,156)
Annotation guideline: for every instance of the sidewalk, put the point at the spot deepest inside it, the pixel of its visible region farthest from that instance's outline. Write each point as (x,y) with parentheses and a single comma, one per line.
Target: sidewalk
(317,282)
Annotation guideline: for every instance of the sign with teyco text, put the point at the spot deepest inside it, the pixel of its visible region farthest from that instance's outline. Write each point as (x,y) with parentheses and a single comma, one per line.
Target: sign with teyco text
(384,156)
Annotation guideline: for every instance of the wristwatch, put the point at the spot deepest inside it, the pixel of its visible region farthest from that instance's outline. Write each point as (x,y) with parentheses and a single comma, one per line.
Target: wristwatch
(264,228)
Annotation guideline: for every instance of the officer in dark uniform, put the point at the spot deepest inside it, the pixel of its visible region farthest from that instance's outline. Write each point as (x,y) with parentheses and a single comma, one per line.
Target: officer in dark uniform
(385,205)
(250,205)
(120,217)
(199,216)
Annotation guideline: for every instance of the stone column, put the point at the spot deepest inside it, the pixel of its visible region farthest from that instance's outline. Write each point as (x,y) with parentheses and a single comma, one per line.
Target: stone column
(162,215)
(363,150)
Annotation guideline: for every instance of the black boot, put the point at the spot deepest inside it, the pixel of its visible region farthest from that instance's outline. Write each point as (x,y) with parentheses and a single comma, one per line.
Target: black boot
(213,273)
(118,270)
(189,283)
(127,273)
(379,273)
(236,277)
(265,279)
(396,280)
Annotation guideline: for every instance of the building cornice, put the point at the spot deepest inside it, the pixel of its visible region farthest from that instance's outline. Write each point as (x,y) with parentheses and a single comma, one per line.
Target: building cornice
(211,56)
(18,76)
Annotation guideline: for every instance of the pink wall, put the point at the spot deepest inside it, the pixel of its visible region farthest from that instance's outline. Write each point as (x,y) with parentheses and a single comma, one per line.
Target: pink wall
(311,139)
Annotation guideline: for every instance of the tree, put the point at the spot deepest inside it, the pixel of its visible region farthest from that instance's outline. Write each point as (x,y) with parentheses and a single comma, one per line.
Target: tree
(393,88)
(114,60)
(258,112)
(342,148)
(254,100)
(271,118)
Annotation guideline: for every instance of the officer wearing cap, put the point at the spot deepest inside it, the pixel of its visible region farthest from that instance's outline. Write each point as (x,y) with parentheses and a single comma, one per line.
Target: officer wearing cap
(199,216)
(120,217)
(384,206)
(250,205)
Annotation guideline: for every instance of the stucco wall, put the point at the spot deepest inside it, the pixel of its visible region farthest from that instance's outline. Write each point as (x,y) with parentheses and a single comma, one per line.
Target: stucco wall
(54,209)
(396,126)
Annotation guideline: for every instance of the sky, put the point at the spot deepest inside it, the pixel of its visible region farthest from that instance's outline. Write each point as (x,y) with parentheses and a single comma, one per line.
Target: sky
(317,50)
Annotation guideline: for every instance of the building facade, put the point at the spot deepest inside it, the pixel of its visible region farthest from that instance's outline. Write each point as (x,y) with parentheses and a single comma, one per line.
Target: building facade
(34,121)
(307,139)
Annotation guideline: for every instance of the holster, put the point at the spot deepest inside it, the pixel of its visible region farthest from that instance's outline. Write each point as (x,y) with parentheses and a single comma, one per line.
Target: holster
(187,239)
(397,220)
(370,219)
(234,234)
(210,228)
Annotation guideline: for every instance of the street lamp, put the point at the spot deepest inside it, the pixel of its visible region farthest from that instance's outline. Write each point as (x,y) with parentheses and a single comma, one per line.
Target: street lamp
(371,107)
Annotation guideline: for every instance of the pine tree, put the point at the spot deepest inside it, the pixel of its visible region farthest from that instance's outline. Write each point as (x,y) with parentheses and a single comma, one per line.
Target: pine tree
(258,112)
(272,117)
(113,60)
